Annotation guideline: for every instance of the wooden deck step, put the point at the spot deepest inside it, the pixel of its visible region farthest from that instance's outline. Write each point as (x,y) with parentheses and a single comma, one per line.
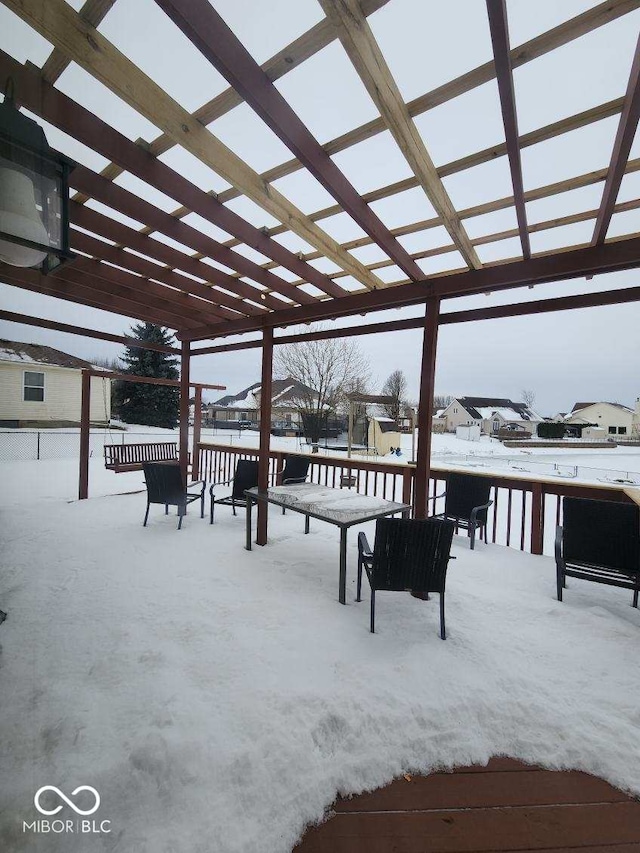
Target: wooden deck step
(505,806)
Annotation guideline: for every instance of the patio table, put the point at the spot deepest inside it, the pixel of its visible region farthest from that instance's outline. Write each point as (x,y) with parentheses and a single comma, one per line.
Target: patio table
(335,506)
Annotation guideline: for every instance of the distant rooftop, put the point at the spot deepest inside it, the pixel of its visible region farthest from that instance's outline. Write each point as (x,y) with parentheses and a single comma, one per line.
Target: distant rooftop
(40,354)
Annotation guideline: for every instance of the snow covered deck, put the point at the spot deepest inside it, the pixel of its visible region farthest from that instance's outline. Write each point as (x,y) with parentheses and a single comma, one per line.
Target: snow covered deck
(221,700)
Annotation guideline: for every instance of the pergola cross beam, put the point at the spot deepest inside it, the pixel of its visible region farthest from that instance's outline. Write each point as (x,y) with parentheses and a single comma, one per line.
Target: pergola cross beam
(621,149)
(499,26)
(204,27)
(362,49)
(64,28)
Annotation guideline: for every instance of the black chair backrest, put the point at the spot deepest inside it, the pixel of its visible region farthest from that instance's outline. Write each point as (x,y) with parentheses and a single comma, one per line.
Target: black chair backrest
(464,492)
(246,477)
(601,533)
(411,554)
(164,482)
(295,468)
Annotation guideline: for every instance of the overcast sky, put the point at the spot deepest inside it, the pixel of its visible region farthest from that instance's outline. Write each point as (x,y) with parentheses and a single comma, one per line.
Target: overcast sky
(590,354)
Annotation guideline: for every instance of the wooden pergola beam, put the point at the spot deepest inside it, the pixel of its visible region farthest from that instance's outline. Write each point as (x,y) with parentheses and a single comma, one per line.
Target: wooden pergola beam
(111,300)
(84,217)
(290,57)
(28,320)
(151,293)
(486,155)
(495,312)
(621,149)
(499,26)
(52,105)
(362,49)
(176,289)
(557,266)
(131,205)
(93,12)
(546,42)
(205,28)
(63,27)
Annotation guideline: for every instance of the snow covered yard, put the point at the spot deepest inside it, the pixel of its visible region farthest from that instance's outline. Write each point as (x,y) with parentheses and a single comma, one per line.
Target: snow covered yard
(218,700)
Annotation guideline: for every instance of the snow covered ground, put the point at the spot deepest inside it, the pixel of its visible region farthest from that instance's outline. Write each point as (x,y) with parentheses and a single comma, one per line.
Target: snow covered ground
(219,700)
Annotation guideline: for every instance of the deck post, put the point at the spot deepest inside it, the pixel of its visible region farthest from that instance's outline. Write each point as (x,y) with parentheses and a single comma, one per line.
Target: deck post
(183,455)
(537,519)
(265,431)
(85,412)
(197,426)
(425,407)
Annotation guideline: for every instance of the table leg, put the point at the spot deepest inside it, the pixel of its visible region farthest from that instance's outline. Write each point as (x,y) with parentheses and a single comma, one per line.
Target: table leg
(249,506)
(306,524)
(342,591)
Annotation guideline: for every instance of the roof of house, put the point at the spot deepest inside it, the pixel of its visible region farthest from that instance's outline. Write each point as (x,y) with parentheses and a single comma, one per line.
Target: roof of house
(578,406)
(283,391)
(40,354)
(485,407)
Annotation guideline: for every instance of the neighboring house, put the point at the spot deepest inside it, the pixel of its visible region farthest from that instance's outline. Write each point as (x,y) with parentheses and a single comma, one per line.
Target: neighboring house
(41,384)
(611,418)
(492,414)
(245,406)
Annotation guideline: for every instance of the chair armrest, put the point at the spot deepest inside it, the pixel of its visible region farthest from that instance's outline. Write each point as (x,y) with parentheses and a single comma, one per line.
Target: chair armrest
(363,546)
(221,483)
(558,546)
(435,497)
(476,510)
(294,480)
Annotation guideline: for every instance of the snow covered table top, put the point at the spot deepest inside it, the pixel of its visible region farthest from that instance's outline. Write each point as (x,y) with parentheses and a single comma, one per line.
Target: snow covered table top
(337,506)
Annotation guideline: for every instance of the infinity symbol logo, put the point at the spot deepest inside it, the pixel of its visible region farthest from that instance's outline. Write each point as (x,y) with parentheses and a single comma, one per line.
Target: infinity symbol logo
(36,800)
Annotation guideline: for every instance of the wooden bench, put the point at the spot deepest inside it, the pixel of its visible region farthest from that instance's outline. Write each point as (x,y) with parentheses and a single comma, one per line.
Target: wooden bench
(129,457)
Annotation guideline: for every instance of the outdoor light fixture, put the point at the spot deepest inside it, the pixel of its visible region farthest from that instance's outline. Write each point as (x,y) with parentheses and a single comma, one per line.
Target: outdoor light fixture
(34,193)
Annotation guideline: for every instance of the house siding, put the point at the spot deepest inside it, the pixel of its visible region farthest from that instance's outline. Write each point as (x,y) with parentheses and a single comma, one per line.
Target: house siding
(62,394)
(605,416)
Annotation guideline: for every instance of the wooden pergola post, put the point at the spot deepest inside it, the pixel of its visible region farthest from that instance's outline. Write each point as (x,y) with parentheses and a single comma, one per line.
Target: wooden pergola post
(197,426)
(265,430)
(183,454)
(425,407)
(85,412)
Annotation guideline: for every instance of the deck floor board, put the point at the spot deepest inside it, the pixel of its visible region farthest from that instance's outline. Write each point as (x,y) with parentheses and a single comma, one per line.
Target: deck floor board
(501,808)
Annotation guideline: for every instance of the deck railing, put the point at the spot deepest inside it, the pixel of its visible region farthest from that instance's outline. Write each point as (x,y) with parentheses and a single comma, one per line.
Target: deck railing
(524,513)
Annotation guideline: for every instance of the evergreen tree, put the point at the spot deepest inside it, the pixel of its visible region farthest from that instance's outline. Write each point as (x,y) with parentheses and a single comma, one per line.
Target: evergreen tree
(152,405)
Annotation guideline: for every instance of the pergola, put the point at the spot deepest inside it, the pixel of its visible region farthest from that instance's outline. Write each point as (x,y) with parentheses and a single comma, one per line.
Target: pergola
(211,289)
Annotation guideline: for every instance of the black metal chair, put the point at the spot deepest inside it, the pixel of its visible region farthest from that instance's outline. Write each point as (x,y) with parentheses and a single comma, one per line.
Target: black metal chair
(599,541)
(245,477)
(408,555)
(466,501)
(165,485)
(296,469)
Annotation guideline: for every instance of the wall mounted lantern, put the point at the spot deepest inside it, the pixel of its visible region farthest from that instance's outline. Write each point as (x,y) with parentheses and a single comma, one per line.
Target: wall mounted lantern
(34,193)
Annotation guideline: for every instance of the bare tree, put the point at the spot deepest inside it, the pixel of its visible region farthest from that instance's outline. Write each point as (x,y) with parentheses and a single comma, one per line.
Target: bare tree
(327,371)
(528,396)
(441,401)
(396,388)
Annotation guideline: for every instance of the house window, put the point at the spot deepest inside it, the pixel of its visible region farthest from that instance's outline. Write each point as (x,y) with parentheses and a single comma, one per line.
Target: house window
(287,417)
(33,387)
(612,430)
(455,411)
(243,416)
(622,430)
